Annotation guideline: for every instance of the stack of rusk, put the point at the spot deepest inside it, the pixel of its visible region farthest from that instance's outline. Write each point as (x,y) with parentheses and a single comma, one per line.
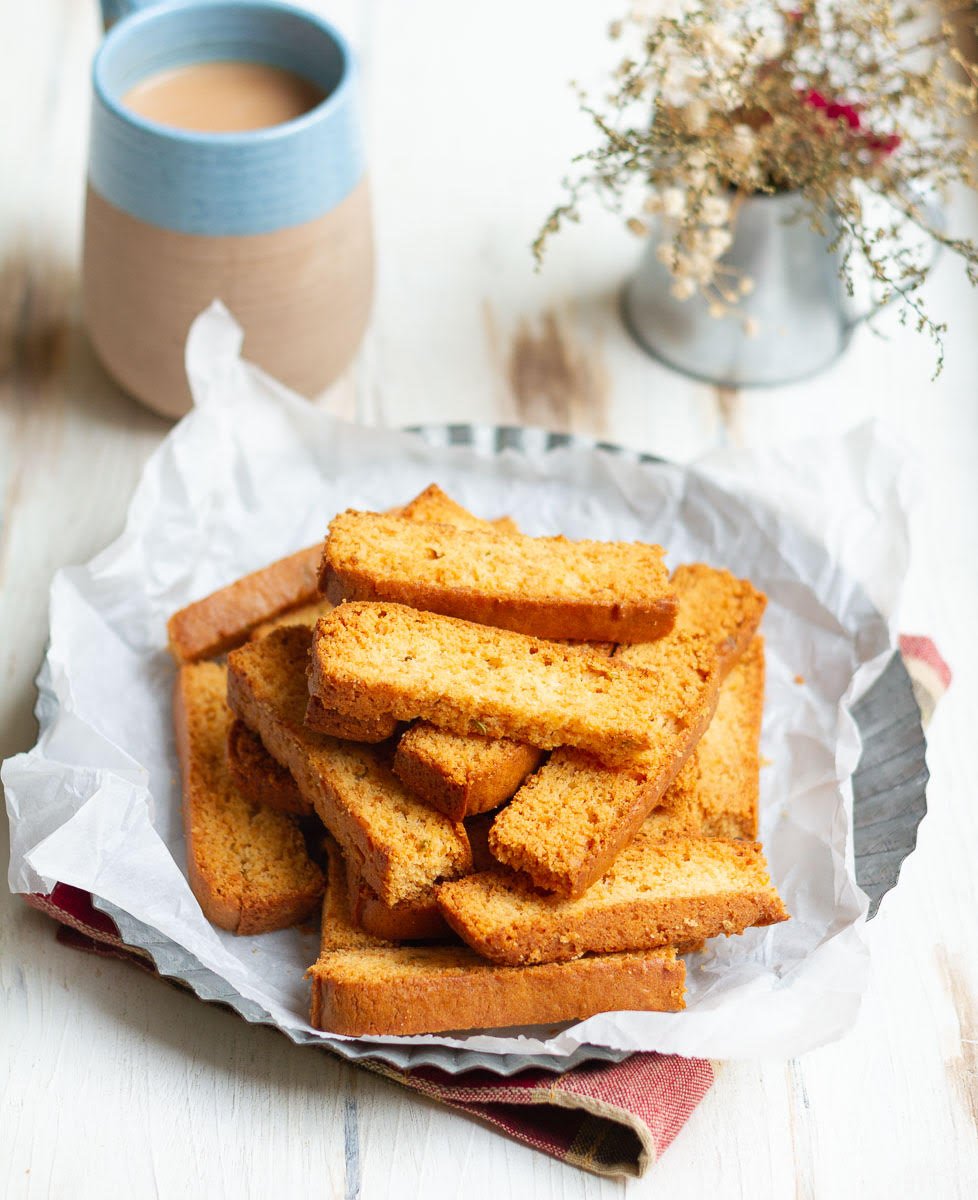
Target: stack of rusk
(524,771)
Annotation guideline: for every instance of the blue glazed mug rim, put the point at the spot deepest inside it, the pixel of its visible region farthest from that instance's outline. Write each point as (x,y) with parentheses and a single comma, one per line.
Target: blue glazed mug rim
(132,26)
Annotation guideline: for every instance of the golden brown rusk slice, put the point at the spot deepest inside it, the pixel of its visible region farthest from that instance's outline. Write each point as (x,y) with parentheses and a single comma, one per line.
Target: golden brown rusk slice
(247,864)
(462,774)
(411,921)
(660,891)
(431,505)
(371,659)
(726,762)
(258,777)
(226,618)
(363,985)
(570,820)
(716,604)
(465,774)
(403,844)
(546,587)
(285,591)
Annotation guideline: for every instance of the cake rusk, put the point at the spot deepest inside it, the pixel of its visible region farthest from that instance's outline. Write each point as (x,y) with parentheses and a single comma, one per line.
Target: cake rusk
(247,864)
(410,921)
(462,774)
(364,986)
(286,591)
(370,659)
(546,587)
(726,762)
(465,774)
(379,727)
(713,601)
(224,619)
(404,845)
(660,891)
(570,820)
(430,505)
(258,777)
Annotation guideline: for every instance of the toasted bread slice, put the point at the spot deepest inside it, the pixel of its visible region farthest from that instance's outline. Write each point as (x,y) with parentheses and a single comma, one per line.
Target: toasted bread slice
(727,760)
(404,845)
(247,864)
(374,659)
(286,591)
(258,777)
(715,603)
(462,774)
(366,986)
(411,921)
(570,820)
(545,587)
(226,618)
(660,891)
(465,774)
(431,505)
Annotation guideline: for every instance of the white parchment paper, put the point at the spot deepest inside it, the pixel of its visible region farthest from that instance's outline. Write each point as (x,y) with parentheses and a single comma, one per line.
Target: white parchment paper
(255,472)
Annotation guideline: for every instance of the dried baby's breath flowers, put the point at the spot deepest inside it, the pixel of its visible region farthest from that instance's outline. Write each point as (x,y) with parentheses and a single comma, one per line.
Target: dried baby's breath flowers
(717,100)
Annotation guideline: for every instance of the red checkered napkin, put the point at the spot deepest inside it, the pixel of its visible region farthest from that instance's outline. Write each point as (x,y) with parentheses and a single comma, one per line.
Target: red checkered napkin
(609,1118)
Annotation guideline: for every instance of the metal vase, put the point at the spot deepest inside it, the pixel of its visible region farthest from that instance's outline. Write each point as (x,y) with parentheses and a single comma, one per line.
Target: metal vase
(800,315)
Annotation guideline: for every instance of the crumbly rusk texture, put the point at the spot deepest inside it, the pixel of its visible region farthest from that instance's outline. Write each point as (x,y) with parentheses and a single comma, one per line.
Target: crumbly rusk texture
(570,820)
(546,587)
(365,986)
(258,777)
(716,604)
(372,659)
(286,591)
(225,618)
(247,864)
(351,728)
(462,774)
(431,505)
(727,759)
(405,846)
(411,921)
(660,891)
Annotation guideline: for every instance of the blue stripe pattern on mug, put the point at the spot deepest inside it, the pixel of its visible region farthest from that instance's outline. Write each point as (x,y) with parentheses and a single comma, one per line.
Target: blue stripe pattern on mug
(225,184)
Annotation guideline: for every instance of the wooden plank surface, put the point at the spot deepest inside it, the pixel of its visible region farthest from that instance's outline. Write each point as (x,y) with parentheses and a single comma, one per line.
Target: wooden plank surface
(114,1084)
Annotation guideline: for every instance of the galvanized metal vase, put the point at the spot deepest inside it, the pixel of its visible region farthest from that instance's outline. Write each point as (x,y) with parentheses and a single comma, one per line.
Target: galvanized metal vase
(800,316)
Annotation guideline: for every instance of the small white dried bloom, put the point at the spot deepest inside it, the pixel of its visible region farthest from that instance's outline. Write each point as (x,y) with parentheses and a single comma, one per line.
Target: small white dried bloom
(770,45)
(717,310)
(715,210)
(636,226)
(752,327)
(746,285)
(653,203)
(673,202)
(683,288)
(742,142)
(717,242)
(696,116)
(698,160)
(665,252)
(702,268)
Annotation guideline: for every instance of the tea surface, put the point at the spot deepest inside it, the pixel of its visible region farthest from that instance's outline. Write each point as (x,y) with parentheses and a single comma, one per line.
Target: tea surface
(223,97)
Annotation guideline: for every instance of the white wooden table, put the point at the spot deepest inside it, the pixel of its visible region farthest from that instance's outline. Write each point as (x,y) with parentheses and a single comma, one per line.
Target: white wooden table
(116,1085)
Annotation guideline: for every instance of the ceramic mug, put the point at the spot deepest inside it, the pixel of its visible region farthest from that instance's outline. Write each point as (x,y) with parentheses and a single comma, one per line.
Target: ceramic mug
(275,222)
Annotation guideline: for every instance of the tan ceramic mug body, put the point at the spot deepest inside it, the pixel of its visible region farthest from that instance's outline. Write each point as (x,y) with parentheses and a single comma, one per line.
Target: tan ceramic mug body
(274,222)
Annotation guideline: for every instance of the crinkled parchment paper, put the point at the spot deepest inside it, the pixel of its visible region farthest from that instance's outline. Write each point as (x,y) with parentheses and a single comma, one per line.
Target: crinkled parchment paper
(254,472)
